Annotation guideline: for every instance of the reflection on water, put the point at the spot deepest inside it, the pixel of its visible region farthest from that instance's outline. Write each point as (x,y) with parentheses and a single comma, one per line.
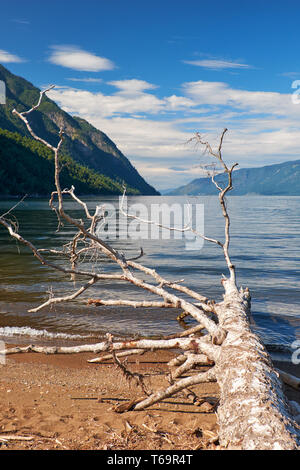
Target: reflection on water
(265,248)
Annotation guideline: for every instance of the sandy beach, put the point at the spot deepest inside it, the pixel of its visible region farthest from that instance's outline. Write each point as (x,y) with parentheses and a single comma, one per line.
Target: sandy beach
(63,402)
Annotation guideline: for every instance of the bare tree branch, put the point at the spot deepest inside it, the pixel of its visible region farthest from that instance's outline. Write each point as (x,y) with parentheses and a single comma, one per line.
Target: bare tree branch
(202,377)
(222,192)
(253,412)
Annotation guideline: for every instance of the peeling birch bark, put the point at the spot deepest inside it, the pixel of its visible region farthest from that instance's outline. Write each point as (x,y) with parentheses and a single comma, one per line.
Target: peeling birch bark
(131,352)
(253,412)
(185,344)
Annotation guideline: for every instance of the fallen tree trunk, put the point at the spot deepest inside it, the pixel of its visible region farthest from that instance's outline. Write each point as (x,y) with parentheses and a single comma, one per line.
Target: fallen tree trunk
(253,412)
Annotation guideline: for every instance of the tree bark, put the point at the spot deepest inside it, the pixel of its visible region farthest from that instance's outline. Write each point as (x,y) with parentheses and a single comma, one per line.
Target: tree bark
(253,412)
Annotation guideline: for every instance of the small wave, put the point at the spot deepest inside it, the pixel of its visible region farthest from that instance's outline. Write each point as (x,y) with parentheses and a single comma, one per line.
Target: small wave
(11,331)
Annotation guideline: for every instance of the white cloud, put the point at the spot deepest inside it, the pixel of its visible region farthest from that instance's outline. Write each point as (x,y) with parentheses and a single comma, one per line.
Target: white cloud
(264,127)
(163,177)
(216,64)
(98,104)
(132,86)
(219,93)
(75,58)
(86,80)
(6,57)
(129,98)
(148,138)
(178,102)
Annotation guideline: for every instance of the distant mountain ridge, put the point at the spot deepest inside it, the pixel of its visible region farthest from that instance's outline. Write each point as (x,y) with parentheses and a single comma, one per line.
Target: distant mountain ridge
(281,179)
(84,144)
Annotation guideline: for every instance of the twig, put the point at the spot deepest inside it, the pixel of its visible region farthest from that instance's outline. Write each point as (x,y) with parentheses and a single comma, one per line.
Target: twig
(138,378)
(13,437)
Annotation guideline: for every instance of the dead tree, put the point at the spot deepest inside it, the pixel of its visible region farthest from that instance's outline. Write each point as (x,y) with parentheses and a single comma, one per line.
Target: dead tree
(253,412)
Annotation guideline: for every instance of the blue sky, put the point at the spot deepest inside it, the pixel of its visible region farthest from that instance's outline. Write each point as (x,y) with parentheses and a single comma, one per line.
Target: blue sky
(152,73)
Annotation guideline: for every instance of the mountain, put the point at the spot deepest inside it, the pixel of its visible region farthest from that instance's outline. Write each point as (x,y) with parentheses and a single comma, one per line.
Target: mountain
(27,166)
(84,145)
(282,179)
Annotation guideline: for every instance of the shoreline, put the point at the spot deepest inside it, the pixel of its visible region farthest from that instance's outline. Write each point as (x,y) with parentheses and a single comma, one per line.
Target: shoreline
(63,402)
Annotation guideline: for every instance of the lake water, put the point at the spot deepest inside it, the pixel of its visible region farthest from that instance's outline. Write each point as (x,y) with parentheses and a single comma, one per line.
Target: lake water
(265,247)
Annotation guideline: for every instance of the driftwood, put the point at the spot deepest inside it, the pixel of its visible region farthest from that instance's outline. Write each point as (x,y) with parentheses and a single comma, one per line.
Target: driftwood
(253,412)
(289,379)
(13,437)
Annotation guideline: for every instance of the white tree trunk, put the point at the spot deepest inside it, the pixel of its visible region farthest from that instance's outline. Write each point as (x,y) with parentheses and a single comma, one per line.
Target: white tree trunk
(253,411)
